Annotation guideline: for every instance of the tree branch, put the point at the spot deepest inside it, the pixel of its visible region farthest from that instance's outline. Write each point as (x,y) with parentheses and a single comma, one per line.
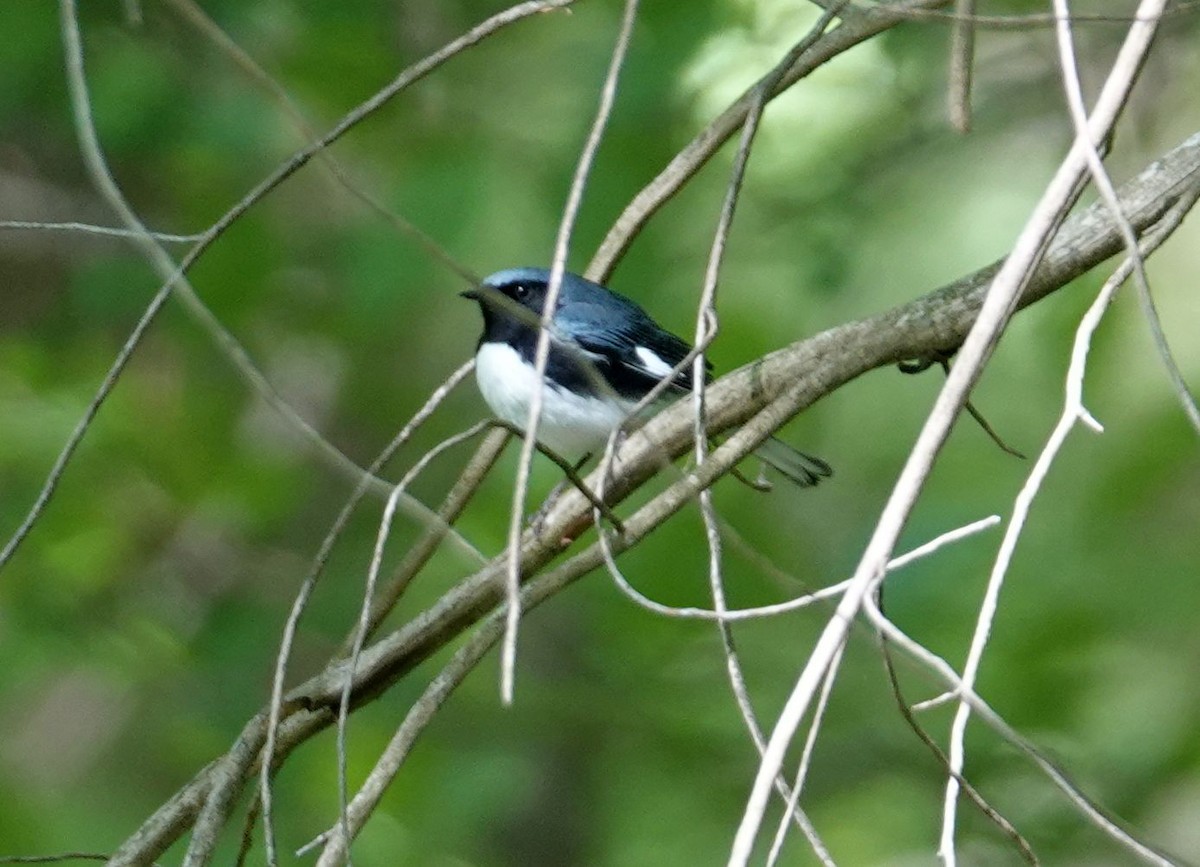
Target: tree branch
(858,24)
(769,391)
(761,396)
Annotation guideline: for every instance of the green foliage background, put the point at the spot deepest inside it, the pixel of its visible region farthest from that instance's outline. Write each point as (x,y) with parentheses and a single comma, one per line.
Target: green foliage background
(139,624)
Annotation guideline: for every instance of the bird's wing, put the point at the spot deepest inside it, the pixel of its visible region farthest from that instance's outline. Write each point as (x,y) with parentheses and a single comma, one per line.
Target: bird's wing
(633,357)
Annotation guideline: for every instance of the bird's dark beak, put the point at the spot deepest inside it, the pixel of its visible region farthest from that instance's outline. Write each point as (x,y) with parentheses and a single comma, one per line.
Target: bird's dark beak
(473,294)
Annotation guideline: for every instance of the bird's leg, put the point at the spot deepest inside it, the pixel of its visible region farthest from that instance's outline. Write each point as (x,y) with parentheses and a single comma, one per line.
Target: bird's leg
(942,358)
(761,483)
(572,478)
(537,522)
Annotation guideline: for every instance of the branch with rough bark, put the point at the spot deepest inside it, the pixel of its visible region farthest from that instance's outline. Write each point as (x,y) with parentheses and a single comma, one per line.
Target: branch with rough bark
(753,402)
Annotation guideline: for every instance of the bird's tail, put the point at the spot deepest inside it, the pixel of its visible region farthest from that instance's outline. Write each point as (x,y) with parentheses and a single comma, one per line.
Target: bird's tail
(804,470)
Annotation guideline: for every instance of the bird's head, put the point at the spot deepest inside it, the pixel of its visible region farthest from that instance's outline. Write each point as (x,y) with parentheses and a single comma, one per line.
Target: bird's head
(512,301)
(515,296)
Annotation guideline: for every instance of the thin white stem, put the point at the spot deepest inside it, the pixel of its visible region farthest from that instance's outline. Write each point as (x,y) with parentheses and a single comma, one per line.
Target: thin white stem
(936,701)
(796,604)
(1073,410)
(976,350)
(608,93)
(336,839)
(304,594)
(810,743)
(364,615)
(1108,192)
(106,231)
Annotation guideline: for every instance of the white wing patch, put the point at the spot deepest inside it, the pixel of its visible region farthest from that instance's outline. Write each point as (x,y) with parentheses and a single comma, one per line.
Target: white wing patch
(651,361)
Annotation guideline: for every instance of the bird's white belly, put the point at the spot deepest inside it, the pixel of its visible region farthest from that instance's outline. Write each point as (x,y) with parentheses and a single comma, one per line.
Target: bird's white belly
(571,424)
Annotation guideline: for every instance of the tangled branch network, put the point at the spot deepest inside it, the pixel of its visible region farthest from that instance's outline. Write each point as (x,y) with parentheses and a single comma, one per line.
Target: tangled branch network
(719,425)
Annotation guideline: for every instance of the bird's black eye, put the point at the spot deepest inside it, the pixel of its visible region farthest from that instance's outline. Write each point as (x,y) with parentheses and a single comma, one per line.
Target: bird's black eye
(520,291)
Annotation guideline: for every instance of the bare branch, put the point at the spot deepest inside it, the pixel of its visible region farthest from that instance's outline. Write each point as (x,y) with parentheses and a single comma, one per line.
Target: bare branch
(104,231)
(1043,20)
(364,619)
(706,331)
(732,615)
(858,25)
(318,567)
(1108,193)
(761,397)
(962,62)
(1082,803)
(229,347)
(810,742)
(997,308)
(908,713)
(542,353)
(194,15)
(418,555)
(1073,411)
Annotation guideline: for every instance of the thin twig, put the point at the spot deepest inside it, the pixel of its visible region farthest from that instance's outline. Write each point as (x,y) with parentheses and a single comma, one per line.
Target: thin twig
(962,62)
(854,29)
(793,799)
(1056,775)
(198,18)
(300,603)
(998,306)
(542,353)
(1006,827)
(364,618)
(415,559)
(763,611)
(1041,20)
(1108,192)
(706,331)
(106,231)
(336,840)
(1073,411)
(227,777)
(247,840)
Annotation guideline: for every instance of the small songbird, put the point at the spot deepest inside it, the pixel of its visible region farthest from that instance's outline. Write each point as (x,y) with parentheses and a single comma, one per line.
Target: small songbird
(606,353)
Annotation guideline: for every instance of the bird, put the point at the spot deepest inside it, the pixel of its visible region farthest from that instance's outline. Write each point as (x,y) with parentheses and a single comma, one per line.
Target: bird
(606,354)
